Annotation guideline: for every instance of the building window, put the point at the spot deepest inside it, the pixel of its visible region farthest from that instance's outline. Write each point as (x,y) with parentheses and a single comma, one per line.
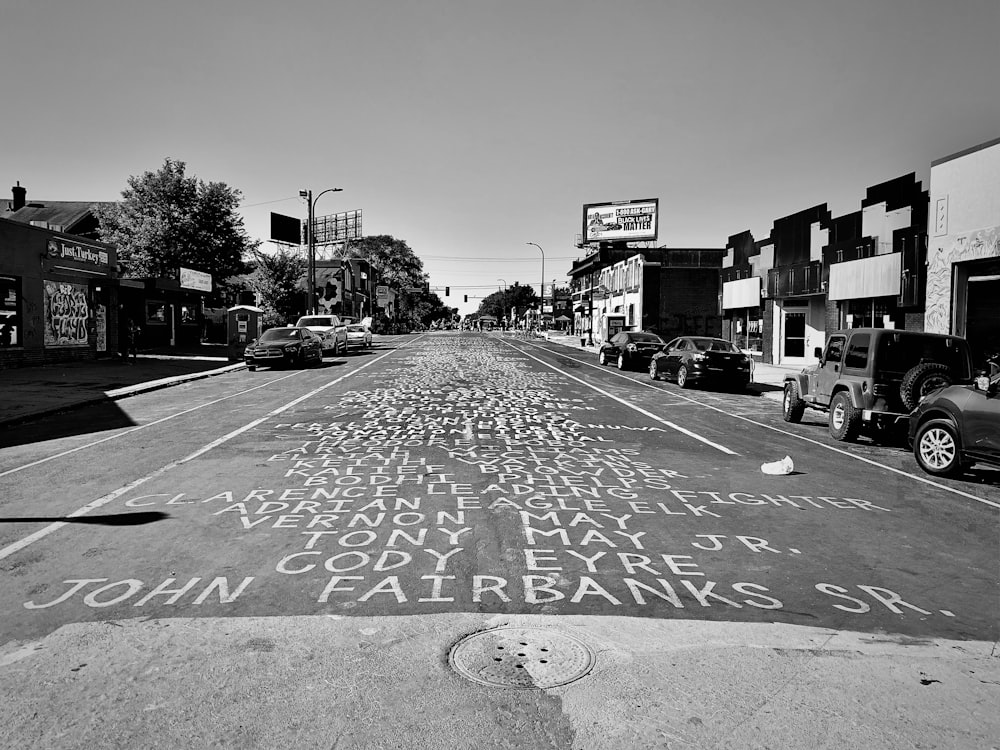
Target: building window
(10,312)
(877,312)
(156,313)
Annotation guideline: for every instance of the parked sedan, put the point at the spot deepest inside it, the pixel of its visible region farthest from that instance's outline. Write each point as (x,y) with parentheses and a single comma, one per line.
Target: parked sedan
(630,349)
(330,329)
(284,346)
(699,359)
(358,336)
(957,426)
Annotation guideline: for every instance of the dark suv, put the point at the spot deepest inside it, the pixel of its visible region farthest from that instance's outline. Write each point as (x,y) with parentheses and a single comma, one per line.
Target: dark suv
(959,426)
(873,378)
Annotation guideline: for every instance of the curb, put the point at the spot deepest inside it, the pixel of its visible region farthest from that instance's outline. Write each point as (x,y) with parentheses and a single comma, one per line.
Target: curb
(119,393)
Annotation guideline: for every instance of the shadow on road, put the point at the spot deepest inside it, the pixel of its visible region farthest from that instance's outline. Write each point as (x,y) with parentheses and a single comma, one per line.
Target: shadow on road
(110,519)
(75,420)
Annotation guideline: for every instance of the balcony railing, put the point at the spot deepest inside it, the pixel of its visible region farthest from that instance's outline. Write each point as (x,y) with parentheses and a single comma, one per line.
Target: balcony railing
(795,281)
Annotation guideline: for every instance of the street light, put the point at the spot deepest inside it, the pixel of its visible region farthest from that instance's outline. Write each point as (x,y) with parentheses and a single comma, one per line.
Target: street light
(541,287)
(311,243)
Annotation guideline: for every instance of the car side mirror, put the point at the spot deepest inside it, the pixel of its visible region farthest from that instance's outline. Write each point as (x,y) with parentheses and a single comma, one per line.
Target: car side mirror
(818,352)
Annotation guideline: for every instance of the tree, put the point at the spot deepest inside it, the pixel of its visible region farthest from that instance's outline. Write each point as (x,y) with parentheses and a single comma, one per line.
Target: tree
(276,279)
(166,220)
(499,303)
(393,262)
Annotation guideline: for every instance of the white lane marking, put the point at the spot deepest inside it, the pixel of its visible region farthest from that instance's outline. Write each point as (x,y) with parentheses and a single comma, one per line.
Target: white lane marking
(828,447)
(143,426)
(20,544)
(632,406)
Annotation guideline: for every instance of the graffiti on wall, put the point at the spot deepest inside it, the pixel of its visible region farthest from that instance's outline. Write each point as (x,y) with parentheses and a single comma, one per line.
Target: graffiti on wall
(984,243)
(66,314)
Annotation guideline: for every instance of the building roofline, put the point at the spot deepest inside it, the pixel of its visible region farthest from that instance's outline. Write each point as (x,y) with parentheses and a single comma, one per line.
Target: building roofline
(966,152)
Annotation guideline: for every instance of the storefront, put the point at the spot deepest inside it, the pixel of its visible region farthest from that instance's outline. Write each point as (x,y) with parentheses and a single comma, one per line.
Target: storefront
(867,291)
(167,313)
(743,316)
(57,296)
(963,253)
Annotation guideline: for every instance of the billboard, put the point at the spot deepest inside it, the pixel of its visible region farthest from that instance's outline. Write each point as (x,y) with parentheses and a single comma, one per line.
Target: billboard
(286,229)
(337,227)
(620,221)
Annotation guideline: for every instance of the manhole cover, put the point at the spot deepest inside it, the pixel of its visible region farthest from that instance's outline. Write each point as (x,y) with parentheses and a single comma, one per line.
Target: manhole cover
(521,658)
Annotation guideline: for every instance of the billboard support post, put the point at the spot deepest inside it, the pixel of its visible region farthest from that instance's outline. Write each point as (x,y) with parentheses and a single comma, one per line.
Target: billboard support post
(311,246)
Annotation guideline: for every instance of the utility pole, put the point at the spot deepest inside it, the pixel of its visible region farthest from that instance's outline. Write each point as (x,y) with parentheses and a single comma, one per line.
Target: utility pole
(311,245)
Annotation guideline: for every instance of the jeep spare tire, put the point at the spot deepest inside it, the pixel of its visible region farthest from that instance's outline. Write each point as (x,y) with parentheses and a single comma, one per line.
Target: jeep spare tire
(923,379)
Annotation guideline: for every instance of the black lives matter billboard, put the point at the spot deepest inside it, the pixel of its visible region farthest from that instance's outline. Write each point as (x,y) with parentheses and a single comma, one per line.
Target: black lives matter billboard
(621,221)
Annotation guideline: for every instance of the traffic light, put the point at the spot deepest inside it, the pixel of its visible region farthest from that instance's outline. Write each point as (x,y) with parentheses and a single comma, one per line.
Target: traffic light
(466,297)
(447,291)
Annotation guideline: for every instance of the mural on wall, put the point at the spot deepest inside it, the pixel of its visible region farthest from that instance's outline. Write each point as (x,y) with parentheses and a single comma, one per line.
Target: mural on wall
(66,313)
(329,285)
(102,328)
(984,243)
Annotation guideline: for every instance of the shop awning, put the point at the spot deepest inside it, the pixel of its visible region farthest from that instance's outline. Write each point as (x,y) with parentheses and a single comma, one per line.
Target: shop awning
(877,276)
(741,293)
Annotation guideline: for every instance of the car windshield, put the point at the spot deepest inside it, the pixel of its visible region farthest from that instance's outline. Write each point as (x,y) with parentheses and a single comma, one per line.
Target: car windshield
(650,338)
(316,320)
(355,329)
(901,351)
(714,345)
(281,334)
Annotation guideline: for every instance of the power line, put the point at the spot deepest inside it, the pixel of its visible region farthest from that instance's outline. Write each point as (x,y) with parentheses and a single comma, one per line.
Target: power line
(264,203)
(466,257)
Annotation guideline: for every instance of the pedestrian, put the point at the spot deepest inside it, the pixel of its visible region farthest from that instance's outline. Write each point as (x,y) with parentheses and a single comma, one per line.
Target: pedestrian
(133,341)
(128,335)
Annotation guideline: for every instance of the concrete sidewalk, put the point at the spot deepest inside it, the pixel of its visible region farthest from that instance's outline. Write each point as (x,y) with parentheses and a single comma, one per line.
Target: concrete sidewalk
(31,392)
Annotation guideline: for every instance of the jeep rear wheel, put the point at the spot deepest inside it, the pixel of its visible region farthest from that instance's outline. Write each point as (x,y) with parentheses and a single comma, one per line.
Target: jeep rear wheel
(923,379)
(792,405)
(845,420)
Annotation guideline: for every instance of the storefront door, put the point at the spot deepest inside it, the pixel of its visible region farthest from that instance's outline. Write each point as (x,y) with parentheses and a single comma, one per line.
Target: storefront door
(794,344)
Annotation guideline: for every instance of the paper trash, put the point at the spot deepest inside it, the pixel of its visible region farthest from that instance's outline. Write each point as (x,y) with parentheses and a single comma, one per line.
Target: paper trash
(778,468)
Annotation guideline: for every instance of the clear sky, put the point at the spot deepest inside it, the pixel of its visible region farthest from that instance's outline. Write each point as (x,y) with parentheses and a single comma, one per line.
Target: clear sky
(469,128)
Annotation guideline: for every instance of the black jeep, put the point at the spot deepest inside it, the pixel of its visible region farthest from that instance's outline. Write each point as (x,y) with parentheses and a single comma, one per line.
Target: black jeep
(873,378)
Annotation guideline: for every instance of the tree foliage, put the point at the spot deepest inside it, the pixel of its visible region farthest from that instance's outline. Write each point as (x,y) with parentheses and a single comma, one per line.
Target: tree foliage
(393,262)
(277,278)
(166,219)
(499,303)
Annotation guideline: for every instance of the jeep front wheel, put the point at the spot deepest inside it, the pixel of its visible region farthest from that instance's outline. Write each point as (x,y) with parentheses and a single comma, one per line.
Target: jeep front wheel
(923,379)
(845,420)
(792,405)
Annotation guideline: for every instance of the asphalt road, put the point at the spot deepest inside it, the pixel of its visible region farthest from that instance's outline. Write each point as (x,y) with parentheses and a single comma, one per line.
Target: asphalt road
(202,564)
